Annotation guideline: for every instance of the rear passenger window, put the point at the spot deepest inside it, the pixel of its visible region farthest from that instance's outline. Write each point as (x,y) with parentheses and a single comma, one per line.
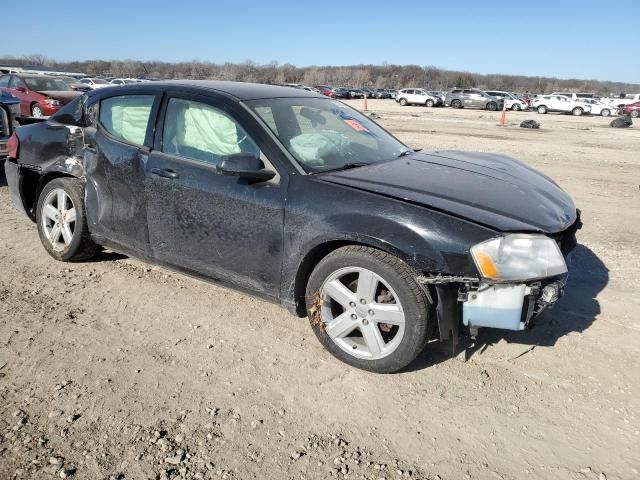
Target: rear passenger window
(15,82)
(202,132)
(126,117)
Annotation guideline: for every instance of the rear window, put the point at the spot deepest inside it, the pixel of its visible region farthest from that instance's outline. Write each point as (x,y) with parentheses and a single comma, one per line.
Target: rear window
(126,117)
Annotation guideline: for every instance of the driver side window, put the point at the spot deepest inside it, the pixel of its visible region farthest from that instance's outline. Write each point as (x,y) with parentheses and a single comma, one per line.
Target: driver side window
(201,132)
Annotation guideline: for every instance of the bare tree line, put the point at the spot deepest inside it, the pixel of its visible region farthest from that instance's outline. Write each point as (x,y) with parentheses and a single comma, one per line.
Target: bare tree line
(380,76)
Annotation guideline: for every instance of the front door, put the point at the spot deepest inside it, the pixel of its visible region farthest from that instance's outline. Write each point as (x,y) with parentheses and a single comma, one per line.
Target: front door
(221,226)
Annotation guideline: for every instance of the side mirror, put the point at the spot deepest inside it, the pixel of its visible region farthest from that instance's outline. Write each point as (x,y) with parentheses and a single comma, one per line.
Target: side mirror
(244,165)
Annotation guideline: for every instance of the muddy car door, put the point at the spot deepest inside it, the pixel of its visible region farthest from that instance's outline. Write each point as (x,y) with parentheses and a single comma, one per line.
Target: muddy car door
(117,144)
(226,227)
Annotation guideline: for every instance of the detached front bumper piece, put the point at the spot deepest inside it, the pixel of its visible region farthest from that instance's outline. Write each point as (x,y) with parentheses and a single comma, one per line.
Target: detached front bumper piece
(509,306)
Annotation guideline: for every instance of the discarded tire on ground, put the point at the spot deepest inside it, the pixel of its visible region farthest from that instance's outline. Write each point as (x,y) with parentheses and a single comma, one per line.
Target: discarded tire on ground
(621,122)
(530,124)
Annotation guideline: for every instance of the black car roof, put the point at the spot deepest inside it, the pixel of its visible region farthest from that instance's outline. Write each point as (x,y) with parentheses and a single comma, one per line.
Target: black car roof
(239,90)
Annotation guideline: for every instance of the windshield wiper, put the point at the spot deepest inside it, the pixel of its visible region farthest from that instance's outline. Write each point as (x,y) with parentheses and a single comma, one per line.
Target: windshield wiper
(405,153)
(347,166)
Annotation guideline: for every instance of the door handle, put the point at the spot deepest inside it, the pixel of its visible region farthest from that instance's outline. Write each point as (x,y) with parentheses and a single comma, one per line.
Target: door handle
(165,173)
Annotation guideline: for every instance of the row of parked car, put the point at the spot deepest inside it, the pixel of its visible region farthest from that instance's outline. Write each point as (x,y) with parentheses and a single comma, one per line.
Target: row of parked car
(562,102)
(43,95)
(347,92)
(38,95)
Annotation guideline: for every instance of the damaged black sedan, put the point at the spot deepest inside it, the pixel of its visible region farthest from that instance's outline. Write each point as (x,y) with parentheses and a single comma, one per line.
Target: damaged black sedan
(298,198)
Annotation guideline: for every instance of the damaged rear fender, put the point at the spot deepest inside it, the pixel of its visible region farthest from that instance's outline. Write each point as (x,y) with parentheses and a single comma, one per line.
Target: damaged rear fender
(32,181)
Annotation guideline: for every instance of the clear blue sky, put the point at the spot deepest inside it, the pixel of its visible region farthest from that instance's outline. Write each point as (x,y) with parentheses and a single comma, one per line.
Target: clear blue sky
(566,39)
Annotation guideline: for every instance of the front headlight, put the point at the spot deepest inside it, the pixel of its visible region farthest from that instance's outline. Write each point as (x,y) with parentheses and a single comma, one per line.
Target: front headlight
(54,102)
(518,257)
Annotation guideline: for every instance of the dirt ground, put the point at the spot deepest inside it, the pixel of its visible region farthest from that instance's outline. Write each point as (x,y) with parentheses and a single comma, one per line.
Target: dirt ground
(115,369)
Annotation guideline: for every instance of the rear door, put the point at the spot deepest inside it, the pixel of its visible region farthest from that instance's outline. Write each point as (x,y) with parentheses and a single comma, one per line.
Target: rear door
(421,97)
(409,94)
(220,226)
(467,98)
(117,146)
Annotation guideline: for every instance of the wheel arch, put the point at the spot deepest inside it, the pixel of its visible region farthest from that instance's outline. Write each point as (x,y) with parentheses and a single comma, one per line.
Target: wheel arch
(320,251)
(31,185)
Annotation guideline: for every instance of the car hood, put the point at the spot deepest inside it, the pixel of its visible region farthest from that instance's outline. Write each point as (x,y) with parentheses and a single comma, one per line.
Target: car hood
(60,94)
(489,189)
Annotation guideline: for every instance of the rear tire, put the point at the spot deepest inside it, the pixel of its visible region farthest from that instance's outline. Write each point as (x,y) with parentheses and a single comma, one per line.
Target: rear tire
(359,287)
(403,102)
(634,114)
(605,112)
(542,109)
(577,112)
(62,222)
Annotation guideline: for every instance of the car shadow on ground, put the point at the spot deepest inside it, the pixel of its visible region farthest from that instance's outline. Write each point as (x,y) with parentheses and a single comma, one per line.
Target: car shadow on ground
(575,312)
(107,256)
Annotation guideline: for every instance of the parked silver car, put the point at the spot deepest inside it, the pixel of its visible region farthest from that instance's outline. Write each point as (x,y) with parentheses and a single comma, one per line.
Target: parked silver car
(472,98)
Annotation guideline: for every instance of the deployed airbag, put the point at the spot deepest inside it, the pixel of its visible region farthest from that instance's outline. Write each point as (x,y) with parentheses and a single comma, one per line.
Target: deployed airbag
(314,148)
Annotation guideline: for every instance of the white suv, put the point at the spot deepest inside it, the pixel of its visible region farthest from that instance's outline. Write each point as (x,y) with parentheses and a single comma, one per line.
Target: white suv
(417,96)
(559,103)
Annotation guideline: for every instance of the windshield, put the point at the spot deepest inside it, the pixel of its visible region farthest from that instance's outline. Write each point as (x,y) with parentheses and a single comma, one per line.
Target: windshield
(41,84)
(99,80)
(324,134)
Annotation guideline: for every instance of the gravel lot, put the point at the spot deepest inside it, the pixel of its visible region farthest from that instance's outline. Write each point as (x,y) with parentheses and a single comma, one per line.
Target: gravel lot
(115,369)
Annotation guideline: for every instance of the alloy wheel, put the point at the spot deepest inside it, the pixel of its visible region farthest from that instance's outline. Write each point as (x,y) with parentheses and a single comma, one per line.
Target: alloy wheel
(361,313)
(58,219)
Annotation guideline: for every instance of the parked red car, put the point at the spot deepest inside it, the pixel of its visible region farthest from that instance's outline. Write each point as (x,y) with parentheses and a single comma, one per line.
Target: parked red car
(40,95)
(326,90)
(633,110)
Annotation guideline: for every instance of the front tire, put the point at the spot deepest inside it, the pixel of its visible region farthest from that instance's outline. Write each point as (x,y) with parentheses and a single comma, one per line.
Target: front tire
(430,103)
(403,102)
(36,110)
(605,112)
(492,106)
(634,114)
(456,104)
(516,107)
(577,112)
(62,222)
(367,309)
(542,109)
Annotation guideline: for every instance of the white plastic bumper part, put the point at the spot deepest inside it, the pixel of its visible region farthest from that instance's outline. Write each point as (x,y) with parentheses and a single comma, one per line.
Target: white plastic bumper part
(498,306)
